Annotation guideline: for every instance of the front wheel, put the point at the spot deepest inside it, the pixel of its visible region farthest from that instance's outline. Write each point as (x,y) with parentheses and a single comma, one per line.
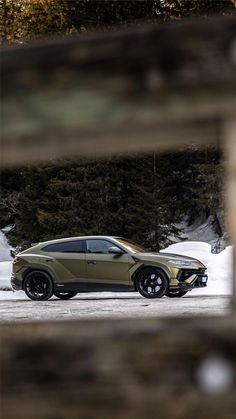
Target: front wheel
(176,294)
(38,286)
(65,295)
(152,283)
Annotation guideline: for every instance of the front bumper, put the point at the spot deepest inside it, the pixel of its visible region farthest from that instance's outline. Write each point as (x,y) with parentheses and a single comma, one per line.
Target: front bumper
(188,280)
(16,283)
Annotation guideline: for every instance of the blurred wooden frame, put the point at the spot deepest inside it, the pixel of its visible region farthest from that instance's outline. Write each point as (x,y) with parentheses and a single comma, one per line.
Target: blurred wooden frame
(156,88)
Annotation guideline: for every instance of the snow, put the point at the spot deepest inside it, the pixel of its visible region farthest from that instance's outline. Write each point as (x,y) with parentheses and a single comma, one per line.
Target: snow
(5,275)
(219,266)
(5,248)
(201,230)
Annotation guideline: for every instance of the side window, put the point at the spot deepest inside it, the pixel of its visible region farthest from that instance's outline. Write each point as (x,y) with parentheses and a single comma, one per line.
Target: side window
(75,246)
(98,246)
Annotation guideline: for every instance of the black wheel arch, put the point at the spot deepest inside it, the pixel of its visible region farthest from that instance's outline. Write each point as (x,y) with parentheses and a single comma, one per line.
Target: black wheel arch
(142,267)
(29,270)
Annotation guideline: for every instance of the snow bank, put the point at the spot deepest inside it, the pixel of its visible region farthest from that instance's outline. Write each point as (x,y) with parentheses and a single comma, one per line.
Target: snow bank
(5,264)
(219,266)
(201,230)
(4,248)
(5,275)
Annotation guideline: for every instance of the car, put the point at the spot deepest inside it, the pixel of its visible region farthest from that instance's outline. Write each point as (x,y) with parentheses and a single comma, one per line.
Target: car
(65,267)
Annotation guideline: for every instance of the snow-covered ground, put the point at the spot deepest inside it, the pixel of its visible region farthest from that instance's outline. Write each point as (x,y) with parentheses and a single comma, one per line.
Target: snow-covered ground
(219,267)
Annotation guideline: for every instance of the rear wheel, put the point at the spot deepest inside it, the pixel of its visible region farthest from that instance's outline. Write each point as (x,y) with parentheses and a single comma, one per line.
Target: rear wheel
(65,295)
(176,294)
(38,286)
(152,283)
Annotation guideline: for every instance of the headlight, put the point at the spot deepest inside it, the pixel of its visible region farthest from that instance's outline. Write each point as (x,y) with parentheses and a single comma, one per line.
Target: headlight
(181,262)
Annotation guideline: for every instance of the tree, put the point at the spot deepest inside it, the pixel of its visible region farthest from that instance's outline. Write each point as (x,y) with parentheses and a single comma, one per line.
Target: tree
(22,20)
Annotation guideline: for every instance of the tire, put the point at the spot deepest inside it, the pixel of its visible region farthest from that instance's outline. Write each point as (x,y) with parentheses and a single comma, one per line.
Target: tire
(38,286)
(152,283)
(65,295)
(176,294)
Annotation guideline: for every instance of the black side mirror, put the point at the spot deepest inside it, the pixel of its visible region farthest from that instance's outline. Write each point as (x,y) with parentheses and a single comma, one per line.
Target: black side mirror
(115,250)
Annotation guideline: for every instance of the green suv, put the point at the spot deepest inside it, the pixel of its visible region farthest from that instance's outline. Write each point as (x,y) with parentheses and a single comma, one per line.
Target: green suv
(69,266)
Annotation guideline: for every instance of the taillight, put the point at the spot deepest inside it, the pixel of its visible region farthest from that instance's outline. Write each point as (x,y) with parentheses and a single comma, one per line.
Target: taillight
(17,259)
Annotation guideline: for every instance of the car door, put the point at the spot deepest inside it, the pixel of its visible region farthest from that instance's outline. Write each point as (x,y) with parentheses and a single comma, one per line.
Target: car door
(104,267)
(68,260)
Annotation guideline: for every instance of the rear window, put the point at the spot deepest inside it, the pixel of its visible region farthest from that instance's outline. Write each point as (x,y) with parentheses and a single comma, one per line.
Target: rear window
(75,246)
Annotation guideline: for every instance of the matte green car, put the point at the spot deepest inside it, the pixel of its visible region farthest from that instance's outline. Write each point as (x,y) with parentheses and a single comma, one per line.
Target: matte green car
(69,266)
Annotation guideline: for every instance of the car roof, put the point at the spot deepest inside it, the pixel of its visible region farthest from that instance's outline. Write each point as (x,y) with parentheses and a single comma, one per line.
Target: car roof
(76,238)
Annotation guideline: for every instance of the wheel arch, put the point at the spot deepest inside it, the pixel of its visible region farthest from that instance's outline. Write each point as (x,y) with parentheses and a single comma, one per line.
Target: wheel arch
(142,267)
(29,270)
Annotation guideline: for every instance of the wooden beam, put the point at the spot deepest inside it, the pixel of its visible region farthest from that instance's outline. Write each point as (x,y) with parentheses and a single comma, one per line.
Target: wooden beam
(133,369)
(230,157)
(101,141)
(118,92)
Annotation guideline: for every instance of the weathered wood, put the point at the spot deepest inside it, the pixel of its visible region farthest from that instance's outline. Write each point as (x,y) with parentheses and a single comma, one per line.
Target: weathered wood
(106,140)
(230,156)
(115,369)
(116,92)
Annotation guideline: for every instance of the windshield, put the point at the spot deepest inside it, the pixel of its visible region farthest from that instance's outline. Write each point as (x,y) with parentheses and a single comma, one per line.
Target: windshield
(130,246)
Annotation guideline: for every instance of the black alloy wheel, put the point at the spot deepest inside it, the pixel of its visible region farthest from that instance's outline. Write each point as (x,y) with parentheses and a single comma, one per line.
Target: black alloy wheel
(152,283)
(65,295)
(38,286)
(176,294)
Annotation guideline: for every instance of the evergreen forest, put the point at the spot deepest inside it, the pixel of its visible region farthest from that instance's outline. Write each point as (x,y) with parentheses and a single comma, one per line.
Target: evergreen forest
(141,197)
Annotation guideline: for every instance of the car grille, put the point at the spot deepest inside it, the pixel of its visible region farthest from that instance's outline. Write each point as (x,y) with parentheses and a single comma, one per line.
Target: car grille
(186,273)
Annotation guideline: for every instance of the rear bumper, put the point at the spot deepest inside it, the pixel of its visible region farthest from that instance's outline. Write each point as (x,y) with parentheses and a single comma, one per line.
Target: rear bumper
(16,283)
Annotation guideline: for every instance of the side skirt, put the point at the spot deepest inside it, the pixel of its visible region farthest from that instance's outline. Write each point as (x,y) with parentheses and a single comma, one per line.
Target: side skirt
(91,287)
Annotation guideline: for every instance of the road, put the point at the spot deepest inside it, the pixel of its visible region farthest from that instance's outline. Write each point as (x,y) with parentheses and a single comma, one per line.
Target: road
(16,307)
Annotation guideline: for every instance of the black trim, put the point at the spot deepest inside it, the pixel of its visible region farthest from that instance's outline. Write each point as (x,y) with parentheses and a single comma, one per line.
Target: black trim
(47,248)
(199,283)
(184,274)
(91,287)
(16,283)
(28,270)
(196,283)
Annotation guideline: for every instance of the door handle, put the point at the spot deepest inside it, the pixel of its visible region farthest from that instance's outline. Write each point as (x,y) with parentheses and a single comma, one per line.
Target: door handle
(91,262)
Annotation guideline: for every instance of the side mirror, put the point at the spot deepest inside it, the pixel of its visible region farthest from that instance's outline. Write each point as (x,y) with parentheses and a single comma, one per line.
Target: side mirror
(115,250)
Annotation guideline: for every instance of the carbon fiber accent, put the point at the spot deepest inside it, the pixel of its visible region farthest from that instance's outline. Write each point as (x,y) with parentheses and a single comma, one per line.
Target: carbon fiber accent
(186,273)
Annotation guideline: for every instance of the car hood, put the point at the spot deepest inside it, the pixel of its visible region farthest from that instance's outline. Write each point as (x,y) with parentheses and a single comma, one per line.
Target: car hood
(164,257)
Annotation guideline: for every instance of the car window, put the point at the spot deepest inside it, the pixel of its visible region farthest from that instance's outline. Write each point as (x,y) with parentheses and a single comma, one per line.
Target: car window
(75,246)
(98,246)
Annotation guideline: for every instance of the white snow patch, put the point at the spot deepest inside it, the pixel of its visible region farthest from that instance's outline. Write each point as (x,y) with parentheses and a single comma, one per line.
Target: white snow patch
(201,230)
(5,275)
(219,266)
(4,248)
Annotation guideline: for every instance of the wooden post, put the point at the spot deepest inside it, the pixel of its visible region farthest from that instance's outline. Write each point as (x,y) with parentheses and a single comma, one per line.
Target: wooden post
(230,155)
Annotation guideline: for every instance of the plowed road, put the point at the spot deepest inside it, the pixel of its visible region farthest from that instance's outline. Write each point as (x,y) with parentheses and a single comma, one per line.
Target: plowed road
(17,307)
